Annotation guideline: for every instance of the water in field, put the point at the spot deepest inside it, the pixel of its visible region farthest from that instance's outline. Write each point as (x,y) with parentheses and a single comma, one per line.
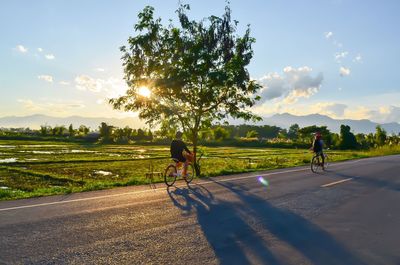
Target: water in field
(75,151)
(8,160)
(39,152)
(41,145)
(102,172)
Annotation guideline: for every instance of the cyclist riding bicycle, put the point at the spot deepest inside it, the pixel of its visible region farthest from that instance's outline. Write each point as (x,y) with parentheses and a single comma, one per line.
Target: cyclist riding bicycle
(180,152)
(318,146)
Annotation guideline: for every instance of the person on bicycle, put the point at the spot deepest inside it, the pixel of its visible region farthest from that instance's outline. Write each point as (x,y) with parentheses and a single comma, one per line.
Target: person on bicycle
(180,152)
(318,146)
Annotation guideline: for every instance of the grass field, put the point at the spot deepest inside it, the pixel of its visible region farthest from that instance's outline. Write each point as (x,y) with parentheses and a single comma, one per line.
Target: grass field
(32,168)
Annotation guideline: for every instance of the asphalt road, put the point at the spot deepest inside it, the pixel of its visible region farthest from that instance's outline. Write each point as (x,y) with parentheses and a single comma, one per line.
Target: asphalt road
(347,215)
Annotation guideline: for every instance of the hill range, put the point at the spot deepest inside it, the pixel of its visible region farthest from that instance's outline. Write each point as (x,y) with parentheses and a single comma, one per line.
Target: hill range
(284,120)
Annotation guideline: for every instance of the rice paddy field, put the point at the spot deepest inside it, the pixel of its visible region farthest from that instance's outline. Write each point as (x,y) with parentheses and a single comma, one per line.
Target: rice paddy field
(33,168)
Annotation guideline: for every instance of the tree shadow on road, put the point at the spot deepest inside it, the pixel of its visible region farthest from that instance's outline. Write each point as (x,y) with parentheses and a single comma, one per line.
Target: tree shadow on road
(223,226)
(241,228)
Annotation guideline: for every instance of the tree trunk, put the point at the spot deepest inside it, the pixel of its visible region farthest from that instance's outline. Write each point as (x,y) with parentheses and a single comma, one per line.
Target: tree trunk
(196,164)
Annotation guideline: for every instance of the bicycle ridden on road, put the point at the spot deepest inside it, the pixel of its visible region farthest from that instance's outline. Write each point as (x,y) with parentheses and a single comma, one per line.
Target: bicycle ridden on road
(319,159)
(182,162)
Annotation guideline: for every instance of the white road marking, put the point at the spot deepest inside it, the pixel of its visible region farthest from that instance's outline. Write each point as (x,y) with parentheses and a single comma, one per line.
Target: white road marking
(335,183)
(163,188)
(78,200)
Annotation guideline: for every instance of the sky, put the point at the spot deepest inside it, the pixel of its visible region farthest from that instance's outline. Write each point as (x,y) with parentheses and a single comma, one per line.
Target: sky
(334,57)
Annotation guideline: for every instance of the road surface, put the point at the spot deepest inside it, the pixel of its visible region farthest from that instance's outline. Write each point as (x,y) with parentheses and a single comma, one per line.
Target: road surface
(348,215)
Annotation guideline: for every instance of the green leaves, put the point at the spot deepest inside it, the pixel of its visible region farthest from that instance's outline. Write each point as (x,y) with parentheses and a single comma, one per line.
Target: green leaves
(196,71)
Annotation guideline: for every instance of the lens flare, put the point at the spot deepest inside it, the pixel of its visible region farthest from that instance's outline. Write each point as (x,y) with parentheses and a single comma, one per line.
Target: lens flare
(263,181)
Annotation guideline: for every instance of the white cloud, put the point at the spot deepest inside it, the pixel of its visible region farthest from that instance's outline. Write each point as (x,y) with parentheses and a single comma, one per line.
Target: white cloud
(85,82)
(110,87)
(328,34)
(64,83)
(331,109)
(340,55)
(393,114)
(344,71)
(274,86)
(338,44)
(334,110)
(358,58)
(99,69)
(359,113)
(383,114)
(39,49)
(295,83)
(47,78)
(59,107)
(50,56)
(21,49)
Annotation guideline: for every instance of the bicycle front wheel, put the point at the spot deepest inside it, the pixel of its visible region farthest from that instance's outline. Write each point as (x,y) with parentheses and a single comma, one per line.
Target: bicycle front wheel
(170,175)
(190,173)
(315,164)
(326,161)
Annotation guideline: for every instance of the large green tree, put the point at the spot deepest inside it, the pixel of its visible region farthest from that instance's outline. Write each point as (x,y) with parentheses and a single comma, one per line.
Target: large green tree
(106,132)
(307,134)
(196,71)
(380,136)
(293,131)
(347,138)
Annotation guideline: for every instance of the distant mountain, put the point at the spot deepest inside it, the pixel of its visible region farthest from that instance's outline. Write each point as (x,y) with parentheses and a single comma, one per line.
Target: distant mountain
(358,126)
(282,120)
(35,121)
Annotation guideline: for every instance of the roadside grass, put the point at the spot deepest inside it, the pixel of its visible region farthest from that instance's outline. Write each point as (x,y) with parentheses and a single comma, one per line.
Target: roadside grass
(34,168)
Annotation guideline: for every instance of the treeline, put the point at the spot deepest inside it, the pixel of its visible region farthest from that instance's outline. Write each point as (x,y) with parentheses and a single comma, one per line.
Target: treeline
(57,133)
(298,137)
(256,136)
(216,135)
(111,134)
(63,131)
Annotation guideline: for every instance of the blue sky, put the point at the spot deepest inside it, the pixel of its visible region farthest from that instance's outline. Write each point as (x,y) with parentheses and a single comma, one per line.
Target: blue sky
(334,57)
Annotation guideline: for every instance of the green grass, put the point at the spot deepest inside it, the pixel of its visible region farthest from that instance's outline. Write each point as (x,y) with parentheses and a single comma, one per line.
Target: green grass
(37,168)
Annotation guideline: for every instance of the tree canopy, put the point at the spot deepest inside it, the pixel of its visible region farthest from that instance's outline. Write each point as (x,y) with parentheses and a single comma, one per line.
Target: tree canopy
(347,138)
(196,72)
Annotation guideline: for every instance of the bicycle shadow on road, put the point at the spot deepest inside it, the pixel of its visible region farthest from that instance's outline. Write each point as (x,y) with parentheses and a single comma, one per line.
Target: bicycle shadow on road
(240,230)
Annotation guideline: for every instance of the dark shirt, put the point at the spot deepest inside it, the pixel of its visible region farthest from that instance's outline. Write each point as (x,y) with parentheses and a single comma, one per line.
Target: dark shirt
(177,147)
(318,145)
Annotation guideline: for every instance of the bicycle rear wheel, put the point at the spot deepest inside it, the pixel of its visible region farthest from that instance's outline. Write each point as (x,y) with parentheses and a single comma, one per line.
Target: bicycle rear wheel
(190,173)
(170,175)
(315,164)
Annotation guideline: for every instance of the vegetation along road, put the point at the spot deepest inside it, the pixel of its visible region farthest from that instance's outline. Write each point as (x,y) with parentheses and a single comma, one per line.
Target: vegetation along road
(34,168)
(346,215)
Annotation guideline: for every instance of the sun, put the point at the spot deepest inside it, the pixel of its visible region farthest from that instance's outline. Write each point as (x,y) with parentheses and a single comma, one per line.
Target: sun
(144,91)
